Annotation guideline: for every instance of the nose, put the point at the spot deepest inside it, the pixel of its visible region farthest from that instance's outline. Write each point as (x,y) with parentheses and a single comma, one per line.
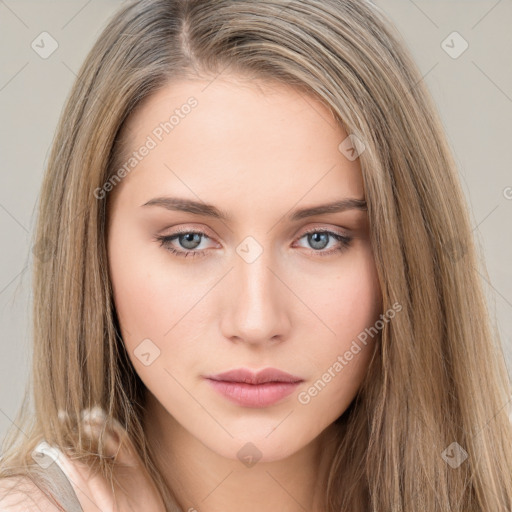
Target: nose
(255,302)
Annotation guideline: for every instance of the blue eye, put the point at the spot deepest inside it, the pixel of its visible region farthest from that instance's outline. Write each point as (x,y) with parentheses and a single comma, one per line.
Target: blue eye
(189,240)
(319,239)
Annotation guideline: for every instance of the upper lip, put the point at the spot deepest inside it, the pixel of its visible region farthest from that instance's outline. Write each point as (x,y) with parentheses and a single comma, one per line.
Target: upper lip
(251,377)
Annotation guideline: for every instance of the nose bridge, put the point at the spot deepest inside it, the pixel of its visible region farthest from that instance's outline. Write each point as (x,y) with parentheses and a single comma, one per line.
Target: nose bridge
(254,310)
(255,280)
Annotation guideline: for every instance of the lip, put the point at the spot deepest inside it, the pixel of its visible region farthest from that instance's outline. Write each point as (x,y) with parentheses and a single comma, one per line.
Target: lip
(247,376)
(254,389)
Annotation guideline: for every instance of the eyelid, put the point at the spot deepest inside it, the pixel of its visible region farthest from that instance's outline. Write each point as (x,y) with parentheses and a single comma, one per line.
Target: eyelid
(322,227)
(189,228)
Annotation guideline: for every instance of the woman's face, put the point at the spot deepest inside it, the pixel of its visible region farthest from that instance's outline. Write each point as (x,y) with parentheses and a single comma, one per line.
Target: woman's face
(250,281)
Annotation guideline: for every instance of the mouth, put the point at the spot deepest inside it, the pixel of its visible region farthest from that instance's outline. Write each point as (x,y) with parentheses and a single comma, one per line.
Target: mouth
(254,389)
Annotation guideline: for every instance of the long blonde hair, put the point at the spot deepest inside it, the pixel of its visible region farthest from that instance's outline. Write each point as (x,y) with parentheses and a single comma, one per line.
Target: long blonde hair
(438,376)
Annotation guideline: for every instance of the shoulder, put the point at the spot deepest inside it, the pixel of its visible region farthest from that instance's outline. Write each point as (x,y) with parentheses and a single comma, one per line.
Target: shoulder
(20,494)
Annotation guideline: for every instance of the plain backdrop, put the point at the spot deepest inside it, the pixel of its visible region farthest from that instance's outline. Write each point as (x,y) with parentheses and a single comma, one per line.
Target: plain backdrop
(469,74)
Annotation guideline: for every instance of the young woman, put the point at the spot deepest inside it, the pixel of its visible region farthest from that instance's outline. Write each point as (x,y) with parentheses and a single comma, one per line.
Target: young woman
(255,283)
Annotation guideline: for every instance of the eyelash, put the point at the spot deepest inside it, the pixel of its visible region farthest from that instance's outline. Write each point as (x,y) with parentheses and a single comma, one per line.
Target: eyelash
(166,239)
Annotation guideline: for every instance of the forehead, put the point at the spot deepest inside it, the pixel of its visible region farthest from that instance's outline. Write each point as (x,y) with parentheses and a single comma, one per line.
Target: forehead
(231,137)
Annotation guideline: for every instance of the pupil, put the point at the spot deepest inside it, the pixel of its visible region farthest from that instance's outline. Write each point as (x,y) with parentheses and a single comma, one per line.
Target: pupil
(316,239)
(189,238)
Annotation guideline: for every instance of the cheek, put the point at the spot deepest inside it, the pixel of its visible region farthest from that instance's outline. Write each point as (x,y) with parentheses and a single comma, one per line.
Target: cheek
(358,297)
(154,301)
(345,307)
(350,308)
(145,297)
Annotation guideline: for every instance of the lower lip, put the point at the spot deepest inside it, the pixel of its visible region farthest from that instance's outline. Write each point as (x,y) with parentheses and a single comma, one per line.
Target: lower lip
(254,395)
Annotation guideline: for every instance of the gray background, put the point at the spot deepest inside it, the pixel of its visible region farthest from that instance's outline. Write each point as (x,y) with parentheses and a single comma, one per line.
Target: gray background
(473,93)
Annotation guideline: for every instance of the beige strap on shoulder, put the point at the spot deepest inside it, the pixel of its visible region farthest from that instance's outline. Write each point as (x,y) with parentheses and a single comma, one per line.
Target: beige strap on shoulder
(48,458)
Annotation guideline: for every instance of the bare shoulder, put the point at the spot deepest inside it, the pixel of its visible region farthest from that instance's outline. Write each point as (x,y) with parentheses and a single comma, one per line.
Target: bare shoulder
(19,494)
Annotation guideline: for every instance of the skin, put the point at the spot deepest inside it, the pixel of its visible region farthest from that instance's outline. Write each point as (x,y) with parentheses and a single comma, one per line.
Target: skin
(257,152)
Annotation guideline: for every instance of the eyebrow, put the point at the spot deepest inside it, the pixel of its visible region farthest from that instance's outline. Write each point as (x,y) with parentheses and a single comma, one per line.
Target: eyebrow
(209,210)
